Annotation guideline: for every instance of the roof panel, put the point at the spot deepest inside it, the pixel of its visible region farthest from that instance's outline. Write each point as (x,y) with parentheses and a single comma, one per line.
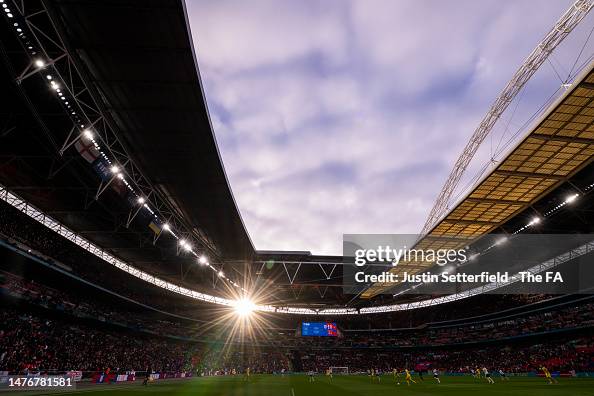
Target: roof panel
(554,150)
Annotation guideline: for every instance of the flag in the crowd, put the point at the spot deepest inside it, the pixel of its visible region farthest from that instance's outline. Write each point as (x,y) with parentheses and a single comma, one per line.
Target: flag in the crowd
(156,226)
(87,150)
(101,166)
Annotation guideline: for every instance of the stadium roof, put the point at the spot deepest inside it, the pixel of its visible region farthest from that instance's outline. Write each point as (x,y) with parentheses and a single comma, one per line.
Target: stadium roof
(141,70)
(559,146)
(140,57)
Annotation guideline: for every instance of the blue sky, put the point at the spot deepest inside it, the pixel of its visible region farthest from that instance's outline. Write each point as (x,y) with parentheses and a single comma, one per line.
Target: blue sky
(340,117)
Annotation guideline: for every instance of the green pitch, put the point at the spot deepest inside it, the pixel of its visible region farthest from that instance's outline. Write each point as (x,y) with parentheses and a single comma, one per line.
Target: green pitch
(298,385)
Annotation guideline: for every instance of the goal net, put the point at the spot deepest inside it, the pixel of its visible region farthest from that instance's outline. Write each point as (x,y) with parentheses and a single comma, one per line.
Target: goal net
(339,370)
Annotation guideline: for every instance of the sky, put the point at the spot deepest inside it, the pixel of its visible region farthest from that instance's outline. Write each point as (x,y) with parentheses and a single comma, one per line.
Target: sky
(337,117)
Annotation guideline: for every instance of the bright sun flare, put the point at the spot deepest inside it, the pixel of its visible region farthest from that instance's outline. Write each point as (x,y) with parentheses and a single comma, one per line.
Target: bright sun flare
(244,307)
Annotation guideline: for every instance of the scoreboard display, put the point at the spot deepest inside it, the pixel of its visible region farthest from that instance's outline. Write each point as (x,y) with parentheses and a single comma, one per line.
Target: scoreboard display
(319,329)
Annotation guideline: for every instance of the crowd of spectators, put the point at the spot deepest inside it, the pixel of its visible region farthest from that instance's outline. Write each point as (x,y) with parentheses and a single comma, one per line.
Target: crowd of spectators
(569,316)
(82,306)
(575,314)
(481,305)
(34,339)
(557,354)
(30,342)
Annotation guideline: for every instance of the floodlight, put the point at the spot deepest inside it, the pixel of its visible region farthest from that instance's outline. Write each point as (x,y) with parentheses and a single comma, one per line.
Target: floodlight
(88,134)
(571,198)
(39,63)
(448,269)
(501,240)
(203,260)
(141,200)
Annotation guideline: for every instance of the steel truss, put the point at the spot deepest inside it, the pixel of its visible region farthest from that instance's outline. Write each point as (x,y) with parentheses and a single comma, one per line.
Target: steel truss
(326,270)
(291,278)
(42,40)
(568,21)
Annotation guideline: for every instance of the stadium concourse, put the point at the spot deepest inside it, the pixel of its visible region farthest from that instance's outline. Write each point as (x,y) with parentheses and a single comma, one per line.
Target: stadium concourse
(116,268)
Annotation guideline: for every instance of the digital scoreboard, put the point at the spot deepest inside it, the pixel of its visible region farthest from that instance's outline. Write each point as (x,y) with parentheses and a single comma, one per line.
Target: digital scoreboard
(319,329)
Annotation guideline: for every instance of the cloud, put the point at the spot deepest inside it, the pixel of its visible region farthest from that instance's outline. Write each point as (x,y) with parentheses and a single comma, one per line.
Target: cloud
(346,117)
(240,36)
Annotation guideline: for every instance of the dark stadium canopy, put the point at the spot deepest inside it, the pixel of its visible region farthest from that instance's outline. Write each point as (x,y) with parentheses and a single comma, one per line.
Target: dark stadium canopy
(138,64)
(139,56)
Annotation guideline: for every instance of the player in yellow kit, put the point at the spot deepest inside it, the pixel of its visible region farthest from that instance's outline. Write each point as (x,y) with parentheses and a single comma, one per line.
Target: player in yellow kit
(408,377)
(548,375)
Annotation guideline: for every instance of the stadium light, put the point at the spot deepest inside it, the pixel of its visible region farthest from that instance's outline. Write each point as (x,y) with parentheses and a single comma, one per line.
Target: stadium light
(221,274)
(141,200)
(166,227)
(244,307)
(114,169)
(535,220)
(39,63)
(448,269)
(182,242)
(88,134)
(501,241)
(187,247)
(203,260)
(571,198)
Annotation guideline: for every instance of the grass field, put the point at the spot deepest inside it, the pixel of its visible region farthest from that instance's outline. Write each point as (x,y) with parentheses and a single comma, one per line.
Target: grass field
(298,385)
